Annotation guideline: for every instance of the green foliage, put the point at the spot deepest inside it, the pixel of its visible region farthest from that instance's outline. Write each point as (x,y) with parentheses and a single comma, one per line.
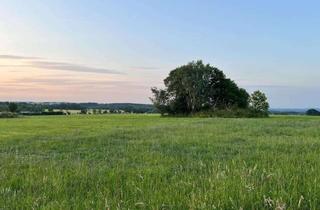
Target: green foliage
(31,107)
(160,100)
(8,115)
(83,111)
(197,87)
(13,107)
(152,162)
(4,107)
(259,102)
(40,107)
(231,113)
(313,112)
(53,113)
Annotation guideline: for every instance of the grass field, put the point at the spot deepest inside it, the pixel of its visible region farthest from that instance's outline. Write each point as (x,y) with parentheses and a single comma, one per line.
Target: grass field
(149,162)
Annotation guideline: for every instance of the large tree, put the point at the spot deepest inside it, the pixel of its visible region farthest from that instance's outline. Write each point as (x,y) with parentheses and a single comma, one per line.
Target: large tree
(195,87)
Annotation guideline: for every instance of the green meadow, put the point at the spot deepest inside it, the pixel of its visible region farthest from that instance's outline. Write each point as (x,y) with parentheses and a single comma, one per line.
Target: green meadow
(153,162)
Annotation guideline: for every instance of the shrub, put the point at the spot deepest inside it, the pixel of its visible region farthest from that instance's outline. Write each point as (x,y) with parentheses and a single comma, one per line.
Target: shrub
(53,113)
(231,113)
(313,112)
(13,107)
(8,115)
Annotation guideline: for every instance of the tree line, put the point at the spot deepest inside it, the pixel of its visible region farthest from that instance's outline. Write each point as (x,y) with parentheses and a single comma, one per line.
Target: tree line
(84,107)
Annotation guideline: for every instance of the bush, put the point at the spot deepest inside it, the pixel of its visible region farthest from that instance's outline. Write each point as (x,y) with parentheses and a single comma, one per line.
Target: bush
(53,113)
(8,115)
(13,107)
(83,111)
(231,113)
(313,112)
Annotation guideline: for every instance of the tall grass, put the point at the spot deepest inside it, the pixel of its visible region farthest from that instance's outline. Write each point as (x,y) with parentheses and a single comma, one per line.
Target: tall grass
(149,162)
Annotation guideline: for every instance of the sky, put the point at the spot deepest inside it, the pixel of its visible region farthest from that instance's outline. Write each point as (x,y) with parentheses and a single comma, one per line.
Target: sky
(115,50)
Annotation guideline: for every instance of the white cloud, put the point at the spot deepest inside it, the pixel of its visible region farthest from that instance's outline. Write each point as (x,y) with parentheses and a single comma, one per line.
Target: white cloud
(34,62)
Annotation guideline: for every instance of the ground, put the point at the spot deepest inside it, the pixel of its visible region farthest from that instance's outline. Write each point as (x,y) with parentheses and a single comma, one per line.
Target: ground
(151,162)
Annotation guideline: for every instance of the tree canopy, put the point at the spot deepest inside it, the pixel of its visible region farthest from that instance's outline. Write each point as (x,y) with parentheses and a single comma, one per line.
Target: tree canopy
(258,102)
(313,112)
(13,107)
(196,87)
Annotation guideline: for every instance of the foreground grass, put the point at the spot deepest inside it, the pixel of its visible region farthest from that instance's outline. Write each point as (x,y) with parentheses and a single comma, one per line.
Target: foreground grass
(148,162)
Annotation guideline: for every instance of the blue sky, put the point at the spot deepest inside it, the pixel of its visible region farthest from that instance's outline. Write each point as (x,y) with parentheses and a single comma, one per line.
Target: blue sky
(114,51)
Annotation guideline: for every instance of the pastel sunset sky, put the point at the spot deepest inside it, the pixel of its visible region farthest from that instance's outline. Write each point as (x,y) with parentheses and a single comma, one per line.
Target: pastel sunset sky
(115,50)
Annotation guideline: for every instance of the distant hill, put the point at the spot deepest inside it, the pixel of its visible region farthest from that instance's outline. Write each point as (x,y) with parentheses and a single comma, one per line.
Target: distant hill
(290,111)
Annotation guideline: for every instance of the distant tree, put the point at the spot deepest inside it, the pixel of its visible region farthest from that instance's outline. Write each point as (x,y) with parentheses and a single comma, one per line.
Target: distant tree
(3,106)
(259,102)
(94,111)
(195,87)
(313,112)
(13,107)
(83,111)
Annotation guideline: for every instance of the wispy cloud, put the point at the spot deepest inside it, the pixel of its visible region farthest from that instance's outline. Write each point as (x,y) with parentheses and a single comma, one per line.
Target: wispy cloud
(71,67)
(76,82)
(145,67)
(39,63)
(17,57)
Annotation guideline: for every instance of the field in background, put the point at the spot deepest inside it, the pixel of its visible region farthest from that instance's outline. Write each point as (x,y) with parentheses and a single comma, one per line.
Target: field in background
(149,162)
